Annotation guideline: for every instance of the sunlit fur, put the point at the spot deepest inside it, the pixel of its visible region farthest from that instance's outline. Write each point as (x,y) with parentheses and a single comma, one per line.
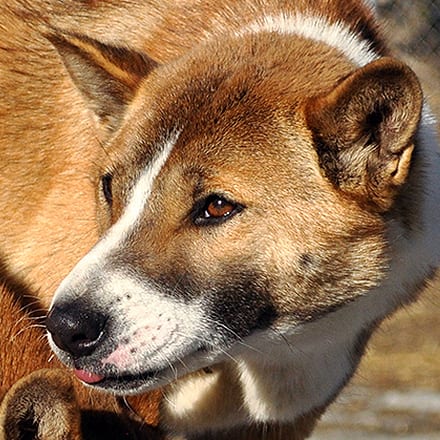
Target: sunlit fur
(295,112)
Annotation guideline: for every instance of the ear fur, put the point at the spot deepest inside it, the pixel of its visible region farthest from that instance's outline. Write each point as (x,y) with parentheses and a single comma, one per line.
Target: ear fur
(107,76)
(43,406)
(364,130)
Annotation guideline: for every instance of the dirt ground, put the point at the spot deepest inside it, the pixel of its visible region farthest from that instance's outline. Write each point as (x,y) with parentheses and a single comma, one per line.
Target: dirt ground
(396,392)
(406,352)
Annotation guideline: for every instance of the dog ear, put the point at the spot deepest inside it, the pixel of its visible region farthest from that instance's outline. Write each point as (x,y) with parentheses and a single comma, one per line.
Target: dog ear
(364,130)
(107,76)
(41,406)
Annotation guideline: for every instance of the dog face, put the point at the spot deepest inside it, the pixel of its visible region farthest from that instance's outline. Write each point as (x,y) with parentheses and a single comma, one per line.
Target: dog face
(239,200)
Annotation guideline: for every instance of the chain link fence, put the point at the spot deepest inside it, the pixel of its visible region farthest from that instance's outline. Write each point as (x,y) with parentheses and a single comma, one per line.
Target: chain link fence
(413,30)
(415,26)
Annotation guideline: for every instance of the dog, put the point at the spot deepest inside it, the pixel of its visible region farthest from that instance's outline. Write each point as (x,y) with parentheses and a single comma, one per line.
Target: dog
(48,150)
(267,193)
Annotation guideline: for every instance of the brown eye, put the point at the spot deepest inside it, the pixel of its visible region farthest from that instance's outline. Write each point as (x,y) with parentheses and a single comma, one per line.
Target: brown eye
(215,209)
(219,208)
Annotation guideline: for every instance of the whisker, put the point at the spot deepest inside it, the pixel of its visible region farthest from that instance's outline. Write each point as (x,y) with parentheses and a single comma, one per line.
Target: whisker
(173,368)
(24,329)
(206,341)
(239,338)
(292,349)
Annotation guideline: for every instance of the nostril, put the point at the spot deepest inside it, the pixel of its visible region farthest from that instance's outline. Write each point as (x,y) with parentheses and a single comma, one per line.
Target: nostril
(76,329)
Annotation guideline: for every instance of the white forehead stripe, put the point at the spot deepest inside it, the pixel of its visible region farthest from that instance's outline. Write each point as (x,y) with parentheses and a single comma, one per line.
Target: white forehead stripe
(139,195)
(115,236)
(336,35)
(138,199)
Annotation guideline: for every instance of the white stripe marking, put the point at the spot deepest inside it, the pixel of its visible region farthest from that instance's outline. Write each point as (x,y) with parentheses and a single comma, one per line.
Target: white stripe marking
(140,194)
(336,35)
(130,218)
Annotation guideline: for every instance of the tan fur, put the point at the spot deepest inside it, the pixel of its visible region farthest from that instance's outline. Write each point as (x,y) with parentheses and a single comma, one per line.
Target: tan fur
(197,252)
(44,405)
(331,116)
(48,150)
(295,134)
(166,29)
(352,200)
(47,162)
(45,400)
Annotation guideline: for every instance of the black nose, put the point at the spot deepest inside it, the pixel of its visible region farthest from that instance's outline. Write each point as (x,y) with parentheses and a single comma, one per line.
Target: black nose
(75,329)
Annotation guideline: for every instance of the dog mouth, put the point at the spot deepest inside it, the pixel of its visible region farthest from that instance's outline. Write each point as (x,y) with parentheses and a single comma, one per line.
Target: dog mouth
(135,383)
(123,383)
(87,376)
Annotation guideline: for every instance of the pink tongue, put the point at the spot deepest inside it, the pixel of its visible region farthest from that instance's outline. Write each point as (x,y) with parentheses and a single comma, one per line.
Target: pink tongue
(87,377)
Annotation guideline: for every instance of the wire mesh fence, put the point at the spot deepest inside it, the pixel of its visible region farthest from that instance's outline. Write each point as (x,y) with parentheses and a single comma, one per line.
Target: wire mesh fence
(413,30)
(415,26)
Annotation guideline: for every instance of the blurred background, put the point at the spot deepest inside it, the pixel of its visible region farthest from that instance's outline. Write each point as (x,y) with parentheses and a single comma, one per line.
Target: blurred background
(413,30)
(396,392)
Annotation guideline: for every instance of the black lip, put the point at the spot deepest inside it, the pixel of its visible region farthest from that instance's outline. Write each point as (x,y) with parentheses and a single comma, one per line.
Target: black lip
(132,382)
(129,382)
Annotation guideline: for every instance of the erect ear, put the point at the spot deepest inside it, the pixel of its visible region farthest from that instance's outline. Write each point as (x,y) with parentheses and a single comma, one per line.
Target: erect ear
(107,76)
(364,130)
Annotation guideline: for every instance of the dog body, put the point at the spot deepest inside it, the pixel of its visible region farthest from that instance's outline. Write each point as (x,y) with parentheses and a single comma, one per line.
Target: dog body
(48,151)
(268,198)
(267,194)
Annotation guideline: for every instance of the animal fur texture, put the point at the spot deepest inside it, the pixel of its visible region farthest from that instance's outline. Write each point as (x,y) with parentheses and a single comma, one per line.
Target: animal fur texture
(41,400)
(267,191)
(48,149)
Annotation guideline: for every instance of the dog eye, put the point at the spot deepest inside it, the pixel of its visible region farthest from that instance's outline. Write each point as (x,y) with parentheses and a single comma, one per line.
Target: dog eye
(215,209)
(106,186)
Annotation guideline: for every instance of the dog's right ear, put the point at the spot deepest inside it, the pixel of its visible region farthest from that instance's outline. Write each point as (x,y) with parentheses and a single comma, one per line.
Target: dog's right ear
(365,131)
(107,76)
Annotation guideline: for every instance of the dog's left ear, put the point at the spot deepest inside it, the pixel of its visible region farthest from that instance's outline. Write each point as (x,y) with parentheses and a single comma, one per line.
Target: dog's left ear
(364,131)
(107,76)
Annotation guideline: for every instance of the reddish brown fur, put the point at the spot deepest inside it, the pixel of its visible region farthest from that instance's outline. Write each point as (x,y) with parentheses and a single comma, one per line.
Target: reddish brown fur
(25,350)
(35,238)
(20,336)
(48,148)
(49,160)
(188,250)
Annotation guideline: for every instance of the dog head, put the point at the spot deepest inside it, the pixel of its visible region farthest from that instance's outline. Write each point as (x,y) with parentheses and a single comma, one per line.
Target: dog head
(244,191)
